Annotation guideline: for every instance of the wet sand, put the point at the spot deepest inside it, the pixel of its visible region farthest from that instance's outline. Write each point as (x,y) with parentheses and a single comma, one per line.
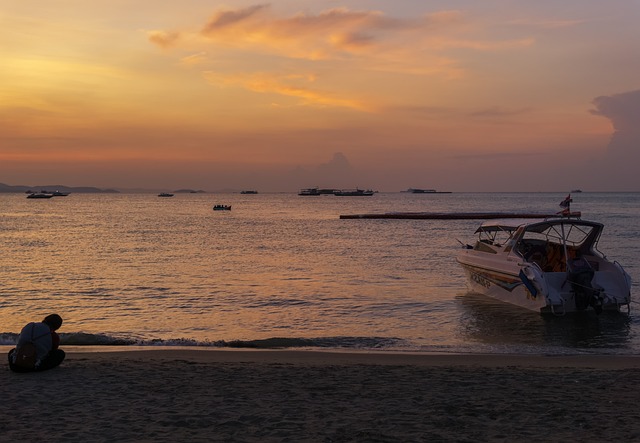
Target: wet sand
(305,396)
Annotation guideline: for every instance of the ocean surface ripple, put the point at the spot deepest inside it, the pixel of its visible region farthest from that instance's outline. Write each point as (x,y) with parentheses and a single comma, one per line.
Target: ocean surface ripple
(284,271)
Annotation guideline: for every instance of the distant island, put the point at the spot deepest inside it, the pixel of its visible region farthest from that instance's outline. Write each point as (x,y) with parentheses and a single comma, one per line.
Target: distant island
(66,189)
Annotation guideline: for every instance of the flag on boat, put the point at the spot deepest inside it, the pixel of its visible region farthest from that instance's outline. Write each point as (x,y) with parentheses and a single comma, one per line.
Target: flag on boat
(566,202)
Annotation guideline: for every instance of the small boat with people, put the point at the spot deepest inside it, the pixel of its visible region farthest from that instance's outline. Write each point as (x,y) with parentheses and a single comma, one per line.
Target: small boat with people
(222,207)
(46,194)
(39,195)
(165,194)
(249,192)
(549,265)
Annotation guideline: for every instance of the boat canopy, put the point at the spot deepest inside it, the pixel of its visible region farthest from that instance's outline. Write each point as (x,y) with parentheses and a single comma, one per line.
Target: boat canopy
(507,225)
(570,231)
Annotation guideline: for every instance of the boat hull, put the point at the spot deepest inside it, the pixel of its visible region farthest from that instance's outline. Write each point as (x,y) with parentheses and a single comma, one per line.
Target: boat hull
(503,286)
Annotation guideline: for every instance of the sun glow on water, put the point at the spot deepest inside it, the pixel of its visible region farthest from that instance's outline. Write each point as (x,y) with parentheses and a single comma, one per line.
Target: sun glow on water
(138,269)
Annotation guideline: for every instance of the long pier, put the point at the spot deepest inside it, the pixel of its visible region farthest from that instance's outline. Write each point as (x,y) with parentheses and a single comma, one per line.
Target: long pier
(451,215)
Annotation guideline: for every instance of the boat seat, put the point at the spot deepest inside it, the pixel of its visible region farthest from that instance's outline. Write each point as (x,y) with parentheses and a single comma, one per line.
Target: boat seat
(536,254)
(555,259)
(538,258)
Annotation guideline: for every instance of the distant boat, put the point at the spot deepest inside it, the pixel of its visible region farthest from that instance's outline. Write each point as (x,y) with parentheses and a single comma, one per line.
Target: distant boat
(165,194)
(354,193)
(46,194)
(421,191)
(222,207)
(39,195)
(248,192)
(573,191)
(309,191)
(425,191)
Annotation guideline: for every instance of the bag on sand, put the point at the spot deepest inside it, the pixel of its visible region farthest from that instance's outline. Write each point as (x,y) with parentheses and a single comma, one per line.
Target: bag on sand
(26,355)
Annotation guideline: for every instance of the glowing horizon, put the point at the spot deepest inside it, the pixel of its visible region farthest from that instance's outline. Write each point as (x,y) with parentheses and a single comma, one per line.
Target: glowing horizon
(268,96)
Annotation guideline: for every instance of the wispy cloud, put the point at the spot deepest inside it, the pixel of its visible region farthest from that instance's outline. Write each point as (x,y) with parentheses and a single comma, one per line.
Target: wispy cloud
(499,112)
(298,86)
(479,45)
(164,39)
(333,34)
(330,34)
(547,23)
(194,59)
(357,40)
(232,18)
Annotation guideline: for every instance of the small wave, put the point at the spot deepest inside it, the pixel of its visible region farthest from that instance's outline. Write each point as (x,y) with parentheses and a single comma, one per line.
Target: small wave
(320,342)
(8,338)
(75,339)
(86,339)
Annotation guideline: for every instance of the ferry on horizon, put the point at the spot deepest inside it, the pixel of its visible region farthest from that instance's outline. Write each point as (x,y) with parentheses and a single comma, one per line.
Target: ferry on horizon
(354,193)
(317,191)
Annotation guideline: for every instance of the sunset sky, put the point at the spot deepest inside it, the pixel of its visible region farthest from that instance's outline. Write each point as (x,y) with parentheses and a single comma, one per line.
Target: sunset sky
(492,95)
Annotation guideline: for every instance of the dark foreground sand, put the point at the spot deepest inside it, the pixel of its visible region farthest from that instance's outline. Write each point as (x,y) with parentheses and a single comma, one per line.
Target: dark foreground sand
(285,396)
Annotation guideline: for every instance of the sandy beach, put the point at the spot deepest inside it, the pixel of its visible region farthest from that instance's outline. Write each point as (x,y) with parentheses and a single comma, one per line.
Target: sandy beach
(304,396)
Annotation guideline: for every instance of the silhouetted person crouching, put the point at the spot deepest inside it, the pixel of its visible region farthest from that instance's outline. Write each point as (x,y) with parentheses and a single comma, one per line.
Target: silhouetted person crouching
(37,347)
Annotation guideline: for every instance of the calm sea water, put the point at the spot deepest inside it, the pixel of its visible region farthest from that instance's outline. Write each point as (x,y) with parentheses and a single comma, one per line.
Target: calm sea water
(284,270)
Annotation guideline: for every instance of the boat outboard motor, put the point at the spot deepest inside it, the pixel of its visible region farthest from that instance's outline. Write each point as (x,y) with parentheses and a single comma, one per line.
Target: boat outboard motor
(580,276)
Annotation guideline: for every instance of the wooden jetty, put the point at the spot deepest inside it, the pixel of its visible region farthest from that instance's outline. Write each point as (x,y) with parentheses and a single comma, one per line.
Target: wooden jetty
(451,215)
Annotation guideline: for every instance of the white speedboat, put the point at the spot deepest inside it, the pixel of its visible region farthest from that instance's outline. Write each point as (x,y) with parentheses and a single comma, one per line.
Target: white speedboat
(549,265)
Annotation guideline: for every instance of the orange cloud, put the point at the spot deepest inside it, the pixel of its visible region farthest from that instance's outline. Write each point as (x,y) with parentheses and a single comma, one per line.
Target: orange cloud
(338,34)
(228,18)
(194,59)
(548,24)
(480,45)
(238,43)
(289,85)
(324,36)
(164,39)
(333,34)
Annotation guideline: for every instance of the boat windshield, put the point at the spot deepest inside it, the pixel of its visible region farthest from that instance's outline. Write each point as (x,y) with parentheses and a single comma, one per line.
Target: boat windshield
(572,233)
(551,243)
(495,233)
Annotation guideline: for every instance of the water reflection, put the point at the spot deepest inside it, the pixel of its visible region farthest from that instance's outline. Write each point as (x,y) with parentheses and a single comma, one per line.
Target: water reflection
(500,325)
